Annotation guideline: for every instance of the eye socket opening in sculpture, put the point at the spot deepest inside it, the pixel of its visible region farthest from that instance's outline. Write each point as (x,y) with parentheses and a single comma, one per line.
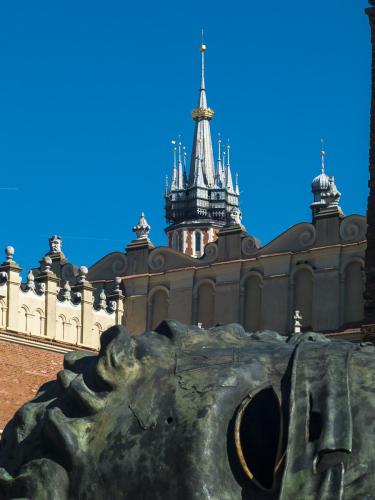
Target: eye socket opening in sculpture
(258,432)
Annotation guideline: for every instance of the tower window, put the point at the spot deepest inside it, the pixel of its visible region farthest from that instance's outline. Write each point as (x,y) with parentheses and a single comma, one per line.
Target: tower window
(198,241)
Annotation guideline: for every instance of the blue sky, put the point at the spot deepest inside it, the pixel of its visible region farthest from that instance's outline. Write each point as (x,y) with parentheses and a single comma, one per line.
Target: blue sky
(92,93)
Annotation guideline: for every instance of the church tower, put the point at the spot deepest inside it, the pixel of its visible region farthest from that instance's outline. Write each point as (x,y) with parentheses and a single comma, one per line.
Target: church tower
(198,205)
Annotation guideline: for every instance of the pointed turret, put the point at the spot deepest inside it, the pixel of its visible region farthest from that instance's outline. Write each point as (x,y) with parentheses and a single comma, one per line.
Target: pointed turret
(326,195)
(202,143)
(180,172)
(237,189)
(220,170)
(228,172)
(174,174)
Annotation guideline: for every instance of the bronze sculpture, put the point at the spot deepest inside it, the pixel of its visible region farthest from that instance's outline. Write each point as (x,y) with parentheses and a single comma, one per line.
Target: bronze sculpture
(187,413)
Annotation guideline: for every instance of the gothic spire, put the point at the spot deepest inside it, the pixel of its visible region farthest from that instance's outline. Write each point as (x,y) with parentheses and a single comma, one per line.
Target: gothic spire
(174,175)
(180,172)
(228,172)
(202,144)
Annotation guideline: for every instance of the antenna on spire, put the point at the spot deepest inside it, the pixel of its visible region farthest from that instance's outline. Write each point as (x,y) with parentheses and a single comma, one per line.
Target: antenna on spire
(322,154)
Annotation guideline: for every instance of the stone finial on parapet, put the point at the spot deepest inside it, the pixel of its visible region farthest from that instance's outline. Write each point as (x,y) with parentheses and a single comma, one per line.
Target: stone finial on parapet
(102,302)
(142,228)
(67,292)
(46,265)
(30,283)
(82,275)
(9,262)
(138,249)
(297,322)
(10,275)
(116,300)
(9,252)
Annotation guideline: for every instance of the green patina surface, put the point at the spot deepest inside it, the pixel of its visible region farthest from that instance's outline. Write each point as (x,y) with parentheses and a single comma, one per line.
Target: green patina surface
(152,417)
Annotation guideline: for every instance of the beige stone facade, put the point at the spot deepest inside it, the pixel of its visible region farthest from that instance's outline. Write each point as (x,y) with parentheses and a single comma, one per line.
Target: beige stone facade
(45,309)
(314,268)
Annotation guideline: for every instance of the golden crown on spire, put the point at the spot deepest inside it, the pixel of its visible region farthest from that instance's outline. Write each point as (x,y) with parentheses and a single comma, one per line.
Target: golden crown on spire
(199,113)
(203,47)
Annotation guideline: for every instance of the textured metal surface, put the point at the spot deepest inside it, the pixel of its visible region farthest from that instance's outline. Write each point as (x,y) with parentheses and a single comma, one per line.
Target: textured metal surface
(153,417)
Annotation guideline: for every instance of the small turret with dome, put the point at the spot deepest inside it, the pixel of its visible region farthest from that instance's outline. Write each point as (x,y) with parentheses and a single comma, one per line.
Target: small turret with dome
(325,192)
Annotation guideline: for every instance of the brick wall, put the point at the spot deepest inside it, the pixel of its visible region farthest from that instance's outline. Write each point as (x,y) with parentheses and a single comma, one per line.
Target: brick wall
(23,369)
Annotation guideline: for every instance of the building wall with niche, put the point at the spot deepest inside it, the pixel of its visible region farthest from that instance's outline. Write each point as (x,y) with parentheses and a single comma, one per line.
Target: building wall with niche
(315,268)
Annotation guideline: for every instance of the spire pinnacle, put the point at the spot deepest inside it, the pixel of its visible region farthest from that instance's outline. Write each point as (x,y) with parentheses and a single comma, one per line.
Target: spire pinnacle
(228,173)
(203,49)
(174,175)
(322,155)
(237,189)
(180,174)
(219,147)
(202,111)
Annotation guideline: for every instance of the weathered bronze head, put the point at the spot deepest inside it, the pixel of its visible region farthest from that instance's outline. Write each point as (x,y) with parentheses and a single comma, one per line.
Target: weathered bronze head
(185,413)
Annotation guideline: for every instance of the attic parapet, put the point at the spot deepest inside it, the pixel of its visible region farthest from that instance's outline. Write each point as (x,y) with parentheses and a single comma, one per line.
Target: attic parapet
(43,309)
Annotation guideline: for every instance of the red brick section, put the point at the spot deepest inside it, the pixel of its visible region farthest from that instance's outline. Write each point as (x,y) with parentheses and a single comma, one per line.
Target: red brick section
(23,369)
(205,237)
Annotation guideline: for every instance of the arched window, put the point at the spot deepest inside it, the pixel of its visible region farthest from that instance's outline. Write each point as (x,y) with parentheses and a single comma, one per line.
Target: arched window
(353,293)
(76,330)
(198,242)
(60,327)
(23,315)
(253,304)
(159,308)
(303,296)
(3,313)
(206,305)
(96,332)
(39,320)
